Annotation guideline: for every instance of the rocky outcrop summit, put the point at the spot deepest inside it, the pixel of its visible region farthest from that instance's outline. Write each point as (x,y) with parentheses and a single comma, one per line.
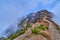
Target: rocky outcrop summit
(38,26)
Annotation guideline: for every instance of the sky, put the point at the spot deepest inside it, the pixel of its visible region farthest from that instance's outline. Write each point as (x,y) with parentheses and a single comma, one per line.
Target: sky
(12,10)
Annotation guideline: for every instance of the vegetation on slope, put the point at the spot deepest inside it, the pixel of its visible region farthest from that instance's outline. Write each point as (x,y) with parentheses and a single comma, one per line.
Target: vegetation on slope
(20,32)
(37,29)
(16,34)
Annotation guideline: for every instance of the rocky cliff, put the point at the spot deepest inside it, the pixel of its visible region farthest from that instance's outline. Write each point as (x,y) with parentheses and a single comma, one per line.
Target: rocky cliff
(38,26)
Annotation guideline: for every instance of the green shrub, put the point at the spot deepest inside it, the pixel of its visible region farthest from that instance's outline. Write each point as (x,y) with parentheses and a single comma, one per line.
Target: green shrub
(38,28)
(35,31)
(42,27)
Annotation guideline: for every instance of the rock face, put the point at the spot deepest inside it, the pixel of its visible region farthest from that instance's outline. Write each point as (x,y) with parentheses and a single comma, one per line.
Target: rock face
(39,15)
(31,17)
(37,19)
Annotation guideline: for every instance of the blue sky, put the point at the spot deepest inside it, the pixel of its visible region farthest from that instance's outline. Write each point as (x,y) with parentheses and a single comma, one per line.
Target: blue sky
(12,10)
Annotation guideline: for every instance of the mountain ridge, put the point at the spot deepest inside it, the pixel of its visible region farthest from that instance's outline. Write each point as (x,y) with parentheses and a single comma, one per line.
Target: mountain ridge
(37,26)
